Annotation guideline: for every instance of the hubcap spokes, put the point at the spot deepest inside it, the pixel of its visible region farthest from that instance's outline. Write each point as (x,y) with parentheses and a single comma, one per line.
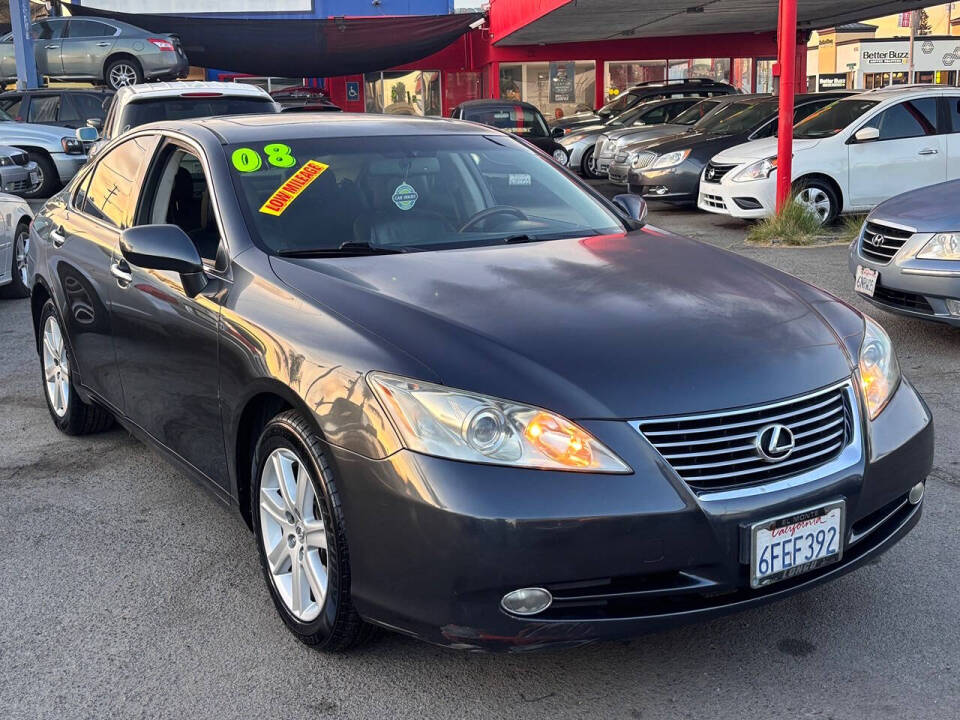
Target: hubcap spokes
(294,536)
(23,247)
(816,202)
(122,75)
(56,368)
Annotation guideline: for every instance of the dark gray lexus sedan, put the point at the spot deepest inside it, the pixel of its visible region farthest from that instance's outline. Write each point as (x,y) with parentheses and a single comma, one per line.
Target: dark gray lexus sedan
(456,393)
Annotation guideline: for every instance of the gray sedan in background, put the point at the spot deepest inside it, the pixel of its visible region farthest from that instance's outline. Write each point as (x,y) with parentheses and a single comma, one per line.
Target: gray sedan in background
(99,50)
(906,259)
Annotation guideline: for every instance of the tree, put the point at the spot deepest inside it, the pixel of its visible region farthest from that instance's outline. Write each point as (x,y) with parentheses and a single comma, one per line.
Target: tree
(398,93)
(923,23)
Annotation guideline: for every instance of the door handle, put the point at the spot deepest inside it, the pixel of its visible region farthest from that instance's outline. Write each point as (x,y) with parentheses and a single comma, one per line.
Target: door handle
(51,47)
(58,236)
(122,273)
(928,151)
(103,44)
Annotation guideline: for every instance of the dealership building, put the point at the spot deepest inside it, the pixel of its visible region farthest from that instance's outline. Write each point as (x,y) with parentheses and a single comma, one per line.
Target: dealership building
(524,48)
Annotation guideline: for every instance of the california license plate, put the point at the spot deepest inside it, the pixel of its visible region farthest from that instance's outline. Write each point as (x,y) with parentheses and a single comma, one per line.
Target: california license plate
(866,281)
(790,545)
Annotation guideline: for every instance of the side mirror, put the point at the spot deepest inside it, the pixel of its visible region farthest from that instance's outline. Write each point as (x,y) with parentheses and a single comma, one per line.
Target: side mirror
(634,206)
(87,134)
(95,123)
(165,247)
(557,132)
(866,134)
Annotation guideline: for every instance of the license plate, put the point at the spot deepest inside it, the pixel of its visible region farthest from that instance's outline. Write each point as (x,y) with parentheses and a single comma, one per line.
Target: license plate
(790,545)
(866,281)
(34,177)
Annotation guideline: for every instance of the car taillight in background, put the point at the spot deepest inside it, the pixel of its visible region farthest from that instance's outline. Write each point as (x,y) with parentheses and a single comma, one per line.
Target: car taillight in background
(163,44)
(201,94)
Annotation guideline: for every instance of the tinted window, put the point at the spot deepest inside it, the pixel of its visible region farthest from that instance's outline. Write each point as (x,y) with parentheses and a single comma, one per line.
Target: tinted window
(954,104)
(830,120)
(738,117)
(514,118)
(11,105)
(695,113)
(424,192)
(44,108)
(624,101)
(180,108)
(913,118)
(805,111)
(89,28)
(112,192)
(47,30)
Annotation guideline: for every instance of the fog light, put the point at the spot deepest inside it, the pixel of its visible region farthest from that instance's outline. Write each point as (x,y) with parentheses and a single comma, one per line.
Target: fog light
(953,306)
(659,189)
(916,494)
(527,601)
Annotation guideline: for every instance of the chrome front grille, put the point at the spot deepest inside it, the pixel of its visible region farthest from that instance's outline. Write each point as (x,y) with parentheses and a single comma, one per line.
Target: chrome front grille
(714,172)
(880,242)
(719,451)
(643,159)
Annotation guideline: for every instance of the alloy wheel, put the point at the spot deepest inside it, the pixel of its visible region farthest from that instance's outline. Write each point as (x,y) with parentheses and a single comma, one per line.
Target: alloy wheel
(294,535)
(122,74)
(815,201)
(56,367)
(21,250)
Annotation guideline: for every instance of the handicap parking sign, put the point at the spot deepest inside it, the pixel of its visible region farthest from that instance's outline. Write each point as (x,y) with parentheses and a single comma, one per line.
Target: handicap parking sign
(353,91)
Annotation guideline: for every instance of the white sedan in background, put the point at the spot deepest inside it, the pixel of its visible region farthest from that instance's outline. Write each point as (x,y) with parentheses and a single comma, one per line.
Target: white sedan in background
(848,157)
(15,219)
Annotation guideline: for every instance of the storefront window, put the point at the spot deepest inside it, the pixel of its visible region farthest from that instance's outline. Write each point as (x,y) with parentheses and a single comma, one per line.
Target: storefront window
(879,80)
(557,88)
(618,76)
(765,83)
(399,93)
(741,74)
(715,68)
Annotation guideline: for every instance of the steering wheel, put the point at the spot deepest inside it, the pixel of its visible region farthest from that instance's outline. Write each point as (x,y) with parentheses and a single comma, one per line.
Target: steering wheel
(490,212)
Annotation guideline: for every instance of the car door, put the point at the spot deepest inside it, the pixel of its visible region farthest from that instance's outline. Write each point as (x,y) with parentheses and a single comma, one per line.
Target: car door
(84,232)
(953,136)
(85,47)
(910,152)
(47,41)
(167,342)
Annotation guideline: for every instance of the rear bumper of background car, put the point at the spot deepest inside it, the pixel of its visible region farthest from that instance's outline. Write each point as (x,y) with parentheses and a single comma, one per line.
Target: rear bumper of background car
(435,544)
(164,65)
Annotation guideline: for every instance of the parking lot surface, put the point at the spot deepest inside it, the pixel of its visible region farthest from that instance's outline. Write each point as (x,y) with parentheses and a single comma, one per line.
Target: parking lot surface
(129,591)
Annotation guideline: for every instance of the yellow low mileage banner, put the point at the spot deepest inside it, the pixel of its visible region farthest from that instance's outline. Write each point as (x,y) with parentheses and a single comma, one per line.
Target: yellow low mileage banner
(296,184)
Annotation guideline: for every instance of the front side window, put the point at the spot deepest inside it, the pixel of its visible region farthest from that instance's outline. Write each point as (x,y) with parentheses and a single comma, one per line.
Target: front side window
(139,113)
(696,113)
(405,193)
(47,29)
(913,118)
(830,120)
(737,117)
(953,103)
(111,193)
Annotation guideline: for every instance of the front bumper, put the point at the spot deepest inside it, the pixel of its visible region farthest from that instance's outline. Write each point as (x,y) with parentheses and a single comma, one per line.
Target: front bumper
(674,184)
(68,165)
(619,173)
(909,286)
(748,200)
(18,178)
(435,544)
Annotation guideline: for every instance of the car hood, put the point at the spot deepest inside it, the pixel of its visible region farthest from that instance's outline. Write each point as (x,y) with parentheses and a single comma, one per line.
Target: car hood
(580,133)
(926,209)
(704,144)
(620,326)
(15,133)
(577,119)
(647,131)
(758,150)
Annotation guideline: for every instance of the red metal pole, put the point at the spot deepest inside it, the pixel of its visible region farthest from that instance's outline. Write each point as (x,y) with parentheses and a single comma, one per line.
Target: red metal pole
(787,59)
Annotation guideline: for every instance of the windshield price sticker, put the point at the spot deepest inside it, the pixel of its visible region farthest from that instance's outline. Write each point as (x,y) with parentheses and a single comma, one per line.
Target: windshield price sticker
(291,189)
(247,160)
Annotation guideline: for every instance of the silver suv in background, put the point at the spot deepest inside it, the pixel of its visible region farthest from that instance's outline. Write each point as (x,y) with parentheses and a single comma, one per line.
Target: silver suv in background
(99,50)
(57,152)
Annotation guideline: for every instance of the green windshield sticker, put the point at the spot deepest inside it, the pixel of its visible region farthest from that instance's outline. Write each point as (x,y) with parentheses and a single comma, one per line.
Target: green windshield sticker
(247,160)
(405,197)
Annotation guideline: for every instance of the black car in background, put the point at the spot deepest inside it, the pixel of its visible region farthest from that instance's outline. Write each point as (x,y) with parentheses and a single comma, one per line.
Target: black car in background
(304,99)
(670,169)
(70,108)
(654,90)
(517,117)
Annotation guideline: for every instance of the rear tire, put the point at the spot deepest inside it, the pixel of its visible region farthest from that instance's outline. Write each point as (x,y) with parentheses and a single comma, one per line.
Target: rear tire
(19,285)
(122,72)
(298,523)
(70,414)
(49,177)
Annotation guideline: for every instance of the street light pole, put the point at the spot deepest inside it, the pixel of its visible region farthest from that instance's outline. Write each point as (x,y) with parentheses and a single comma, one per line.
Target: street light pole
(787,59)
(23,45)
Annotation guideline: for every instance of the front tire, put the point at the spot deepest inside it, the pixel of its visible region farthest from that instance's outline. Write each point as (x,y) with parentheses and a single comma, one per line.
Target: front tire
(298,523)
(588,165)
(70,414)
(819,198)
(19,286)
(49,177)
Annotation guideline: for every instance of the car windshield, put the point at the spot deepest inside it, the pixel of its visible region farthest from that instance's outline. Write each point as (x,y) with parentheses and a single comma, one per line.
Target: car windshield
(623,102)
(359,195)
(738,117)
(513,118)
(695,113)
(141,112)
(831,119)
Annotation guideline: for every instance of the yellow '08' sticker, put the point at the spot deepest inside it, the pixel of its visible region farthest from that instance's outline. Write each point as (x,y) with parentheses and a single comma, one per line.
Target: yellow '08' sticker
(291,188)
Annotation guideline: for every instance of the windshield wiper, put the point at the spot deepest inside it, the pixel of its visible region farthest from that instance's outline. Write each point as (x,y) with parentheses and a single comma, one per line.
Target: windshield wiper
(347,249)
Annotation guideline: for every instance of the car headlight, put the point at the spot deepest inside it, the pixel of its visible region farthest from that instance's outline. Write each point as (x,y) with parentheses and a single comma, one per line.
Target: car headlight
(6,161)
(72,146)
(879,369)
(756,171)
(669,159)
(460,425)
(560,156)
(942,246)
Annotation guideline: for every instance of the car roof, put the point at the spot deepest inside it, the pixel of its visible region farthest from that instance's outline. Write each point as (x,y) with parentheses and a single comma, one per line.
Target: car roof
(907,90)
(295,126)
(172,89)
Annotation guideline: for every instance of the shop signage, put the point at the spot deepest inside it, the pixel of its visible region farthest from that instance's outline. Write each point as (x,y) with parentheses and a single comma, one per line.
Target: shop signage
(894,55)
(832,81)
(561,82)
(885,57)
(353,91)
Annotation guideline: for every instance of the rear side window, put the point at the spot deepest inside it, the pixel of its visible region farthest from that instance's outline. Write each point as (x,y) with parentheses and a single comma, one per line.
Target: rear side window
(913,118)
(44,109)
(184,108)
(112,192)
(953,103)
(89,28)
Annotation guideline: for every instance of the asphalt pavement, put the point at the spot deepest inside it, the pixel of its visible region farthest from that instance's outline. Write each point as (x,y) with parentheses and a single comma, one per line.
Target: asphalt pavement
(128,591)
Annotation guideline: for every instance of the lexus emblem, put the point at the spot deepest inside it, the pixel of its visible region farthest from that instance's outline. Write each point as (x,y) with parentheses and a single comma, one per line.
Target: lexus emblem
(774,443)
(877,240)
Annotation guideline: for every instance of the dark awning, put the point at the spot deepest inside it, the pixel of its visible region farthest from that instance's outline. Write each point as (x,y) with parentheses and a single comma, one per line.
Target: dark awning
(302,48)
